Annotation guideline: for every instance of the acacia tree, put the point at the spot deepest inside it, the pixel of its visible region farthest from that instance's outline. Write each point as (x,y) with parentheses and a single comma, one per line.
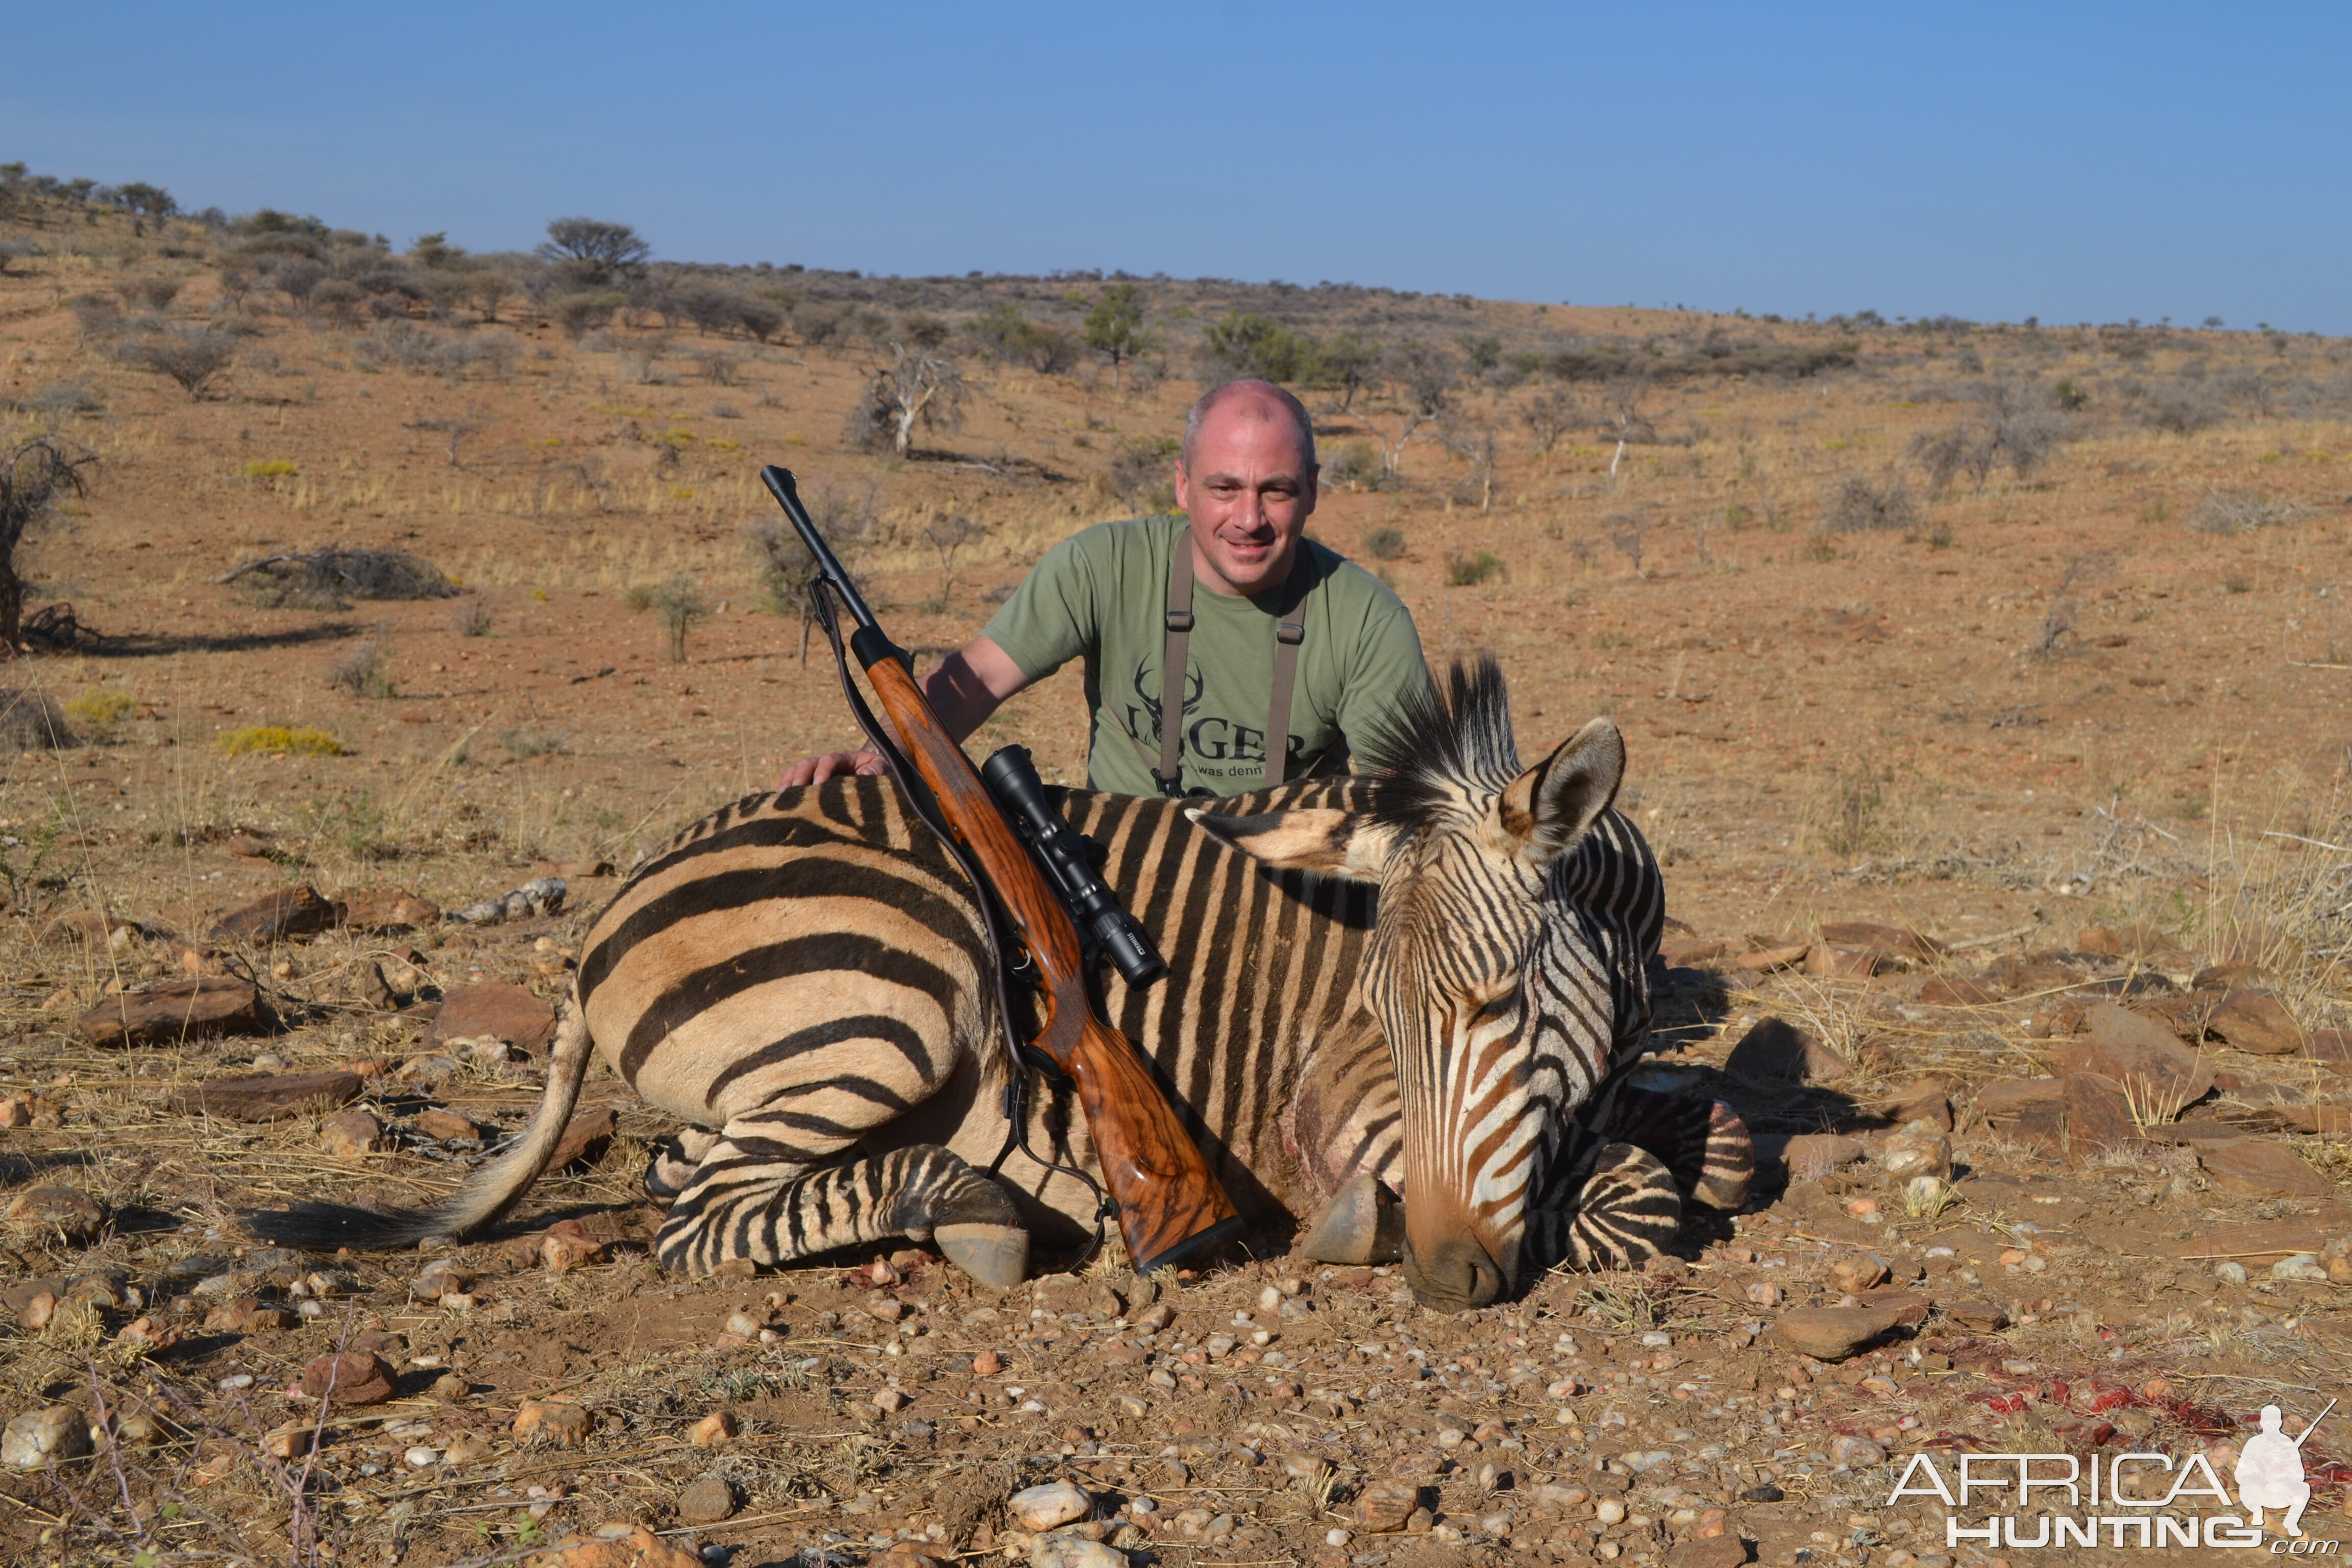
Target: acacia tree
(1115,327)
(32,474)
(598,248)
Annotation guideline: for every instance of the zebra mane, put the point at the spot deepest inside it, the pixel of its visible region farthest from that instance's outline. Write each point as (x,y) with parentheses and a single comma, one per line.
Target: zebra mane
(1431,754)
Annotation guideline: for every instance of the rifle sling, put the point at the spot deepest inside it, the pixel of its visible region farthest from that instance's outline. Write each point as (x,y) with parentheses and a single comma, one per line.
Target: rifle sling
(1289,633)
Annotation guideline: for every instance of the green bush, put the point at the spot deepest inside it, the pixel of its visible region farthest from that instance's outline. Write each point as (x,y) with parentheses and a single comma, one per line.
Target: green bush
(1477,567)
(1384,543)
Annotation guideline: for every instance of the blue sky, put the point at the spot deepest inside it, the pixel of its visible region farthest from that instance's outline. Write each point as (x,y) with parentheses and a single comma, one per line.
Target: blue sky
(1989,161)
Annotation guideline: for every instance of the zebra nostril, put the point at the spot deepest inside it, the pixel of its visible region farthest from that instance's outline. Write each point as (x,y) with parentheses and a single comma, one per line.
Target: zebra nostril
(1456,1275)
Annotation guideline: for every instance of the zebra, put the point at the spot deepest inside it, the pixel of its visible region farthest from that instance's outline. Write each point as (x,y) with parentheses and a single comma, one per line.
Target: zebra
(1431,981)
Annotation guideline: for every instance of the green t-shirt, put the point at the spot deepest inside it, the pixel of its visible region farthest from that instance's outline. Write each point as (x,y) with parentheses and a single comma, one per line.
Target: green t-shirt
(1103,593)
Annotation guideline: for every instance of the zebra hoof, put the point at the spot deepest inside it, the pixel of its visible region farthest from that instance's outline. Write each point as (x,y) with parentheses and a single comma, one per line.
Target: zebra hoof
(1363,1223)
(996,1255)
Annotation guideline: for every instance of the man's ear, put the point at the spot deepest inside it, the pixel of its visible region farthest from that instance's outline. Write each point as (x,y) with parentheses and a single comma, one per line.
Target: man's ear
(1346,845)
(1552,804)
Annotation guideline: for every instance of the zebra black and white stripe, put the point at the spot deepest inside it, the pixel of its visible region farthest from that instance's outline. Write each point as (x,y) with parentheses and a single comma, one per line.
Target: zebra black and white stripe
(800,979)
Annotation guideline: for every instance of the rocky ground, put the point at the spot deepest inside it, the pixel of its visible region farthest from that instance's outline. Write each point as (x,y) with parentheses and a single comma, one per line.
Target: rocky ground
(2005,845)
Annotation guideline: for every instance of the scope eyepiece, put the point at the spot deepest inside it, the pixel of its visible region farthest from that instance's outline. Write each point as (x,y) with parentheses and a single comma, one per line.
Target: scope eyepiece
(1012,777)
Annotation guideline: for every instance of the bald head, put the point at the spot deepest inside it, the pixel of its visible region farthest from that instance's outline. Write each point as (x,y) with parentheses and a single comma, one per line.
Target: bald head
(1251,401)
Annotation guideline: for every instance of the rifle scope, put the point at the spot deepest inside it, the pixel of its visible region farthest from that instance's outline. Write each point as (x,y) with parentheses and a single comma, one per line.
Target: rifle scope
(1011,778)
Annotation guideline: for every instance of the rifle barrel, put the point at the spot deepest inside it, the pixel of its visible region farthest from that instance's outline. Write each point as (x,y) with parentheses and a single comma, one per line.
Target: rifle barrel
(782,485)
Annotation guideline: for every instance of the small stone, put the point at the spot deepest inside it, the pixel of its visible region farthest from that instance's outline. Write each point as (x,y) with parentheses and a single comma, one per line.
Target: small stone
(714,1430)
(353,1377)
(1920,1149)
(890,1401)
(35,1438)
(706,1501)
(557,1421)
(2302,1267)
(1037,1509)
(2260,1169)
(140,1430)
(60,1210)
(38,1312)
(347,1134)
(1848,1275)
(1074,1552)
(1609,1510)
(465,1449)
(451,1388)
(987,1364)
(1977,1316)
(439,1122)
(1718,1551)
(265,1097)
(1810,1156)
(1860,1452)
(183,1010)
(2256,1022)
(567,1245)
(1833,1333)
(1764,1293)
(1385,1505)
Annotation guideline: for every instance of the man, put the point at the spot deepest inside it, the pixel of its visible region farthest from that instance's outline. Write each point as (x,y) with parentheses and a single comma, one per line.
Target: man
(1287,637)
(2270,1473)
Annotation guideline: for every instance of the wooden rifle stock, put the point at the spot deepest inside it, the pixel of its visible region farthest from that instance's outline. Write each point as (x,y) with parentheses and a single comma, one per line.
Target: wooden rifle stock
(1170,1205)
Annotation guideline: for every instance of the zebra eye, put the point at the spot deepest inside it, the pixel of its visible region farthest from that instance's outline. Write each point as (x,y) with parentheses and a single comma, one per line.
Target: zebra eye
(1494,998)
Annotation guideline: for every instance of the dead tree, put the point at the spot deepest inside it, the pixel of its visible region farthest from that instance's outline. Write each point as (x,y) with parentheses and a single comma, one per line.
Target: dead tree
(33,474)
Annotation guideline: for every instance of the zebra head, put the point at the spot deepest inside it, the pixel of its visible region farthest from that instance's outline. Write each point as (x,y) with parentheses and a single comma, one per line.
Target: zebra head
(1499,989)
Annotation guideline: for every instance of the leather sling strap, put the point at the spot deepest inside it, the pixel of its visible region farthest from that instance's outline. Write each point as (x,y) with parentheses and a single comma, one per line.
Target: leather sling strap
(1289,632)
(1169,772)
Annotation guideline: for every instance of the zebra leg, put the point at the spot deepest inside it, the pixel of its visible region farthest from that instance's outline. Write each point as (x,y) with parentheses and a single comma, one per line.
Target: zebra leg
(1627,1212)
(750,1199)
(1702,1142)
(673,1161)
(1363,1223)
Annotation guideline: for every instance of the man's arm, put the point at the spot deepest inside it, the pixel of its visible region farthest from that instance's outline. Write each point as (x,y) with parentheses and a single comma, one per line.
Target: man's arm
(964,688)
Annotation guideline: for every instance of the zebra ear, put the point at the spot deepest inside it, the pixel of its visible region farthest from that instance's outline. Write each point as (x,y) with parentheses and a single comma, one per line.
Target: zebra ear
(1347,845)
(1550,806)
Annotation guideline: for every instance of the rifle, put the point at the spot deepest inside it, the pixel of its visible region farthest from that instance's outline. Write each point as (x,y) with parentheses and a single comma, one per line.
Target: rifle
(1170,1205)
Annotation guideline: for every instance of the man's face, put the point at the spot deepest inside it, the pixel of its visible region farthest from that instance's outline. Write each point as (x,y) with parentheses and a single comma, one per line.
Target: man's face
(1249,491)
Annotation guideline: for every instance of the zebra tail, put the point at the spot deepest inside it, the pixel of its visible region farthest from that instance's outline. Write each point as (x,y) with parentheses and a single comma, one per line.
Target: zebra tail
(487,1194)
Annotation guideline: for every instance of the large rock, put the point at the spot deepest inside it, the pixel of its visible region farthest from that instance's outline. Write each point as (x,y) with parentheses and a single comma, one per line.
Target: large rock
(706,1501)
(350,1133)
(37,1438)
(1776,1052)
(1833,1333)
(2140,1054)
(1808,1156)
(1042,1507)
(586,1137)
(2261,1168)
(492,1011)
(1886,939)
(1385,1506)
(2266,1242)
(384,912)
(2332,1048)
(167,1014)
(297,911)
(353,1377)
(1074,1552)
(66,1210)
(2098,1117)
(2255,1021)
(2032,1112)
(265,1097)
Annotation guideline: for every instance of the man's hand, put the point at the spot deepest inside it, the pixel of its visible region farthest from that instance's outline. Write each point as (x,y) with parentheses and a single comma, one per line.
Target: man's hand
(963,690)
(816,770)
